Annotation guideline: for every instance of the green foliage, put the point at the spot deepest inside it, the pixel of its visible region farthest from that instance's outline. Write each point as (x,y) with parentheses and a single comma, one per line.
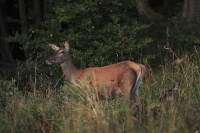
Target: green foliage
(185,37)
(7,90)
(100,32)
(103,32)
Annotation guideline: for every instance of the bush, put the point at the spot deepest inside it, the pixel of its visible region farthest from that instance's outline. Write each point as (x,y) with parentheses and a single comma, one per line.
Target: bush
(100,32)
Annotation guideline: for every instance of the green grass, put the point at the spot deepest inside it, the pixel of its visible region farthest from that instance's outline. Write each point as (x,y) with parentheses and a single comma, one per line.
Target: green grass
(51,107)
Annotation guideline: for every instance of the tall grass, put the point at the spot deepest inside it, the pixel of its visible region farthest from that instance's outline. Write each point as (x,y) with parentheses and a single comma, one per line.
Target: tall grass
(53,107)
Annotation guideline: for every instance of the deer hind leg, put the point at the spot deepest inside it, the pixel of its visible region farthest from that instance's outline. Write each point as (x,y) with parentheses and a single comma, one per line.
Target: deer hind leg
(135,104)
(130,92)
(139,106)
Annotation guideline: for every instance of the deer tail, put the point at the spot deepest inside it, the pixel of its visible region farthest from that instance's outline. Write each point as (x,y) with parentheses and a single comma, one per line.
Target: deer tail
(137,84)
(135,93)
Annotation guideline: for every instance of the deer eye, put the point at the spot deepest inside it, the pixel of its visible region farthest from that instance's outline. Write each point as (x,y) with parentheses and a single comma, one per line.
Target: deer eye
(61,52)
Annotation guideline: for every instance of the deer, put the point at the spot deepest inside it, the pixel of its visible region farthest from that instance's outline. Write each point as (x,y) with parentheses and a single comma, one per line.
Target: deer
(168,100)
(123,78)
(171,97)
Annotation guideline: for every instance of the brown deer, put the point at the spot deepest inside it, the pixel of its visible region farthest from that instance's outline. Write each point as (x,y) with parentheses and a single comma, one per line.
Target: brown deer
(170,98)
(122,78)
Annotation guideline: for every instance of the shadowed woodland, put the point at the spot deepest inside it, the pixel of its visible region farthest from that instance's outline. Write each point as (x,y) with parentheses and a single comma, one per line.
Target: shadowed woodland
(163,35)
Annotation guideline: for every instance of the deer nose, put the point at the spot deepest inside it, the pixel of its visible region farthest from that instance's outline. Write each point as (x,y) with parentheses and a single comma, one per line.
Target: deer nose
(49,63)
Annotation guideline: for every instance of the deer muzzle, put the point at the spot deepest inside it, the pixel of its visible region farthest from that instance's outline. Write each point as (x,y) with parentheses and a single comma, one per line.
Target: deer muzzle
(49,62)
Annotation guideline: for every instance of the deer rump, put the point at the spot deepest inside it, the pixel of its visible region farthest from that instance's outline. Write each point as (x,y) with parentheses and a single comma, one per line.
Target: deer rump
(113,81)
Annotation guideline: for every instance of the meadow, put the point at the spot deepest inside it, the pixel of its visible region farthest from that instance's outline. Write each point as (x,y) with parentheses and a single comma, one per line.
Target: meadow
(49,105)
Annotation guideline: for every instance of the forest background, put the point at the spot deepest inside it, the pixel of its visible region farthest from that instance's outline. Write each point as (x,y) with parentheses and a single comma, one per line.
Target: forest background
(100,32)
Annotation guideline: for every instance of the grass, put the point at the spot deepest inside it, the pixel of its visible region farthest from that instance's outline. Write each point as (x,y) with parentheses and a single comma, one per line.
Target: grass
(52,107)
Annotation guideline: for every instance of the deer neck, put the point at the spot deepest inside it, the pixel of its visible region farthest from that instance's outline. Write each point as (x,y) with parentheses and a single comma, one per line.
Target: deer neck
(69,70)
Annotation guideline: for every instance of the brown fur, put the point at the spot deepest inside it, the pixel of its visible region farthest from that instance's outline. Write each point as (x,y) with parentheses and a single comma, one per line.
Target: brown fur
(119,79)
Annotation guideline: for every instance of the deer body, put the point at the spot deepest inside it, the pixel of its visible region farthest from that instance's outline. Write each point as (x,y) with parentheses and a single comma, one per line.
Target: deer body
(120,79)
(108,80)
(171,96)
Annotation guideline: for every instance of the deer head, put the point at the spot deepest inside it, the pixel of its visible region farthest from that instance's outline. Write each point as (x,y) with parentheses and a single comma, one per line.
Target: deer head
(60,54)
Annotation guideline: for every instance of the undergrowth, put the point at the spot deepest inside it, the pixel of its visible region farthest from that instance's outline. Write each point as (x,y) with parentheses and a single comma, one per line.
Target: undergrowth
(50,106)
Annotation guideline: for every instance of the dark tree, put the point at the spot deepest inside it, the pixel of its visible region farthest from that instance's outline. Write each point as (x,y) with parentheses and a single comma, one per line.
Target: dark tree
(5,52)
(191,12)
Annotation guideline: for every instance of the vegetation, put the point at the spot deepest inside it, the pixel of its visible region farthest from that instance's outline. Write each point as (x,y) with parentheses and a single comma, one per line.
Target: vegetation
(55,107)
(34,97)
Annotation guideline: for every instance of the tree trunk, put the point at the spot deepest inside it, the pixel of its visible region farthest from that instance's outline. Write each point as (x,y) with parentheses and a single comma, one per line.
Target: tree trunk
(45,7)
(37,10)
(191,12)
(5,52)
(23,22)
(145,11)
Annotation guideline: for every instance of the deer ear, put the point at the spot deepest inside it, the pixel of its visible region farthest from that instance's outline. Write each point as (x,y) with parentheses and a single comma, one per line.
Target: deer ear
(176,85)
(54,47)
(66,45)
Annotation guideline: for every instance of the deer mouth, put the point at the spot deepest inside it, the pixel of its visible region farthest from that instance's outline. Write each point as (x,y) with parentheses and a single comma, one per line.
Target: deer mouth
(49,62)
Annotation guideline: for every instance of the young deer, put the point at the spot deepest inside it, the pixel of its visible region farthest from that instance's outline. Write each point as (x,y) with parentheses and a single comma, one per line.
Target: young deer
(170,98)
(122,78)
